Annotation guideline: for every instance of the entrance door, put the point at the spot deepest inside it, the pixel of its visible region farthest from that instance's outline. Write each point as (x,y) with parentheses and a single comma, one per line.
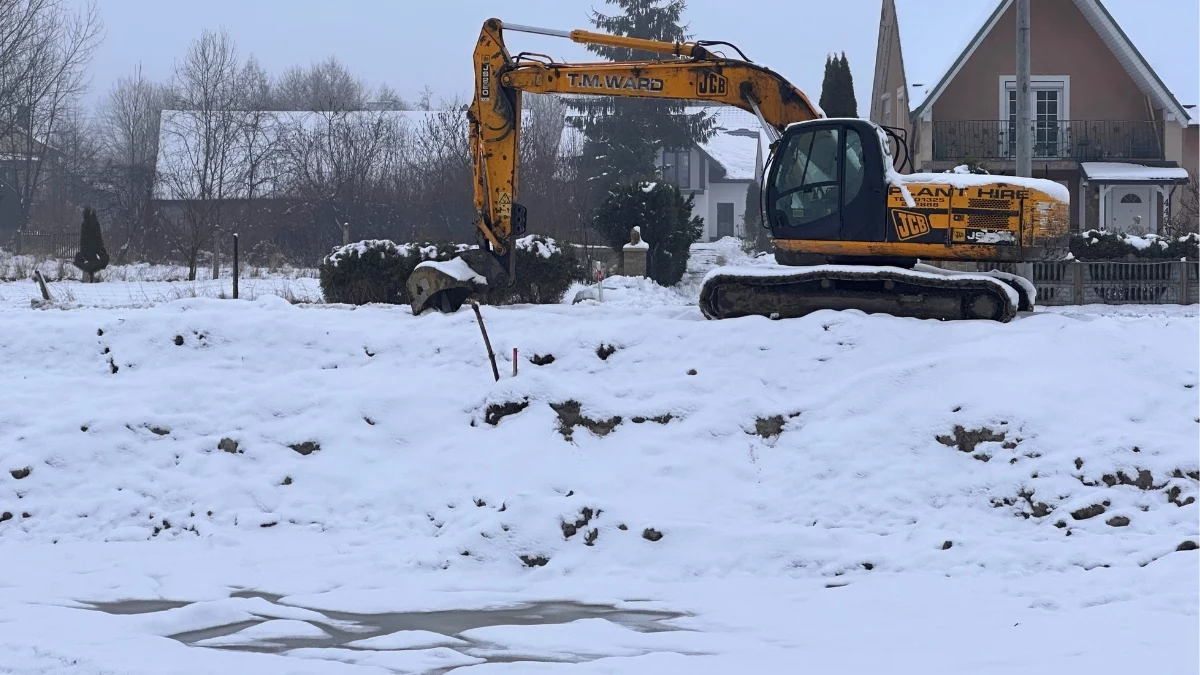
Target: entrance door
(724,219)
(1130,210)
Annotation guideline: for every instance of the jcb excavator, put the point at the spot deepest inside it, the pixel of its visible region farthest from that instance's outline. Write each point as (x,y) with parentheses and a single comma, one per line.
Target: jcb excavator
(848,229)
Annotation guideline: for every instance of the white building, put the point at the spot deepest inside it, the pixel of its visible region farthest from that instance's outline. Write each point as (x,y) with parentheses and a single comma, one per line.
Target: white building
(718,173)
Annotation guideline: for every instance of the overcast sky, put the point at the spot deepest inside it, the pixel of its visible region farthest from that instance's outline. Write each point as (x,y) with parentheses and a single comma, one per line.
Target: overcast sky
(412,43)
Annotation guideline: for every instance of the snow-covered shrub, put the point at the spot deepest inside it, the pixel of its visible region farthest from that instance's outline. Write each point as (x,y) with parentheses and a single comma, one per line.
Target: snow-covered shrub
(545,270)
(368,271)
(1101,245)
(377,270)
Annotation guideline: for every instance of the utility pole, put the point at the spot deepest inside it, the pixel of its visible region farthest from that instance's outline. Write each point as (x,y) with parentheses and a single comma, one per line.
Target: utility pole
(1024,98)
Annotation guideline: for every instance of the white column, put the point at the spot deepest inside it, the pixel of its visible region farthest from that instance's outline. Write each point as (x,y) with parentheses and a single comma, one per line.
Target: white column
(1103,211)
(1083,186)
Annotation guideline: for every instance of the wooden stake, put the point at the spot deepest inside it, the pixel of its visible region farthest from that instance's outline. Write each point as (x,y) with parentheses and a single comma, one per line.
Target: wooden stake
(487,343)
(41,282)
(514,361)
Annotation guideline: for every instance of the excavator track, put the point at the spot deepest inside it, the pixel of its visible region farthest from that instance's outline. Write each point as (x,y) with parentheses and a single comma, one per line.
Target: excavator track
(783,292)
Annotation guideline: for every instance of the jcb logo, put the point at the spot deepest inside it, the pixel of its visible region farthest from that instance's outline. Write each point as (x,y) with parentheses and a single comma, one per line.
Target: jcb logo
(711,84)
(910,225)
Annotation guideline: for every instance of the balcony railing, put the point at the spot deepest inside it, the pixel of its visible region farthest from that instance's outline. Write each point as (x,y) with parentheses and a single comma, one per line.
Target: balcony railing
(1082,140)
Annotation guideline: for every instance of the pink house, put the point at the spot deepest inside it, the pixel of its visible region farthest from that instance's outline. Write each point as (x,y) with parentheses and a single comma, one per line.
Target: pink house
(1110,128)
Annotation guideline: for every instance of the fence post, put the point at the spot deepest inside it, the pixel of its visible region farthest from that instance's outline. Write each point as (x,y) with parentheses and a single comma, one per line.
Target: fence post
(1183,281)
(1077,282)
(235,266)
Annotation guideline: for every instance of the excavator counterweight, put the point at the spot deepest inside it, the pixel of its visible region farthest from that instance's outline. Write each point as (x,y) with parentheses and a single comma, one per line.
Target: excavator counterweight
(848,229)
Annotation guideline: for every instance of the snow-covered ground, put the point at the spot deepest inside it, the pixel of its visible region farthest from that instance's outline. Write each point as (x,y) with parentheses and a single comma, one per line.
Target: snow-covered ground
(349,491)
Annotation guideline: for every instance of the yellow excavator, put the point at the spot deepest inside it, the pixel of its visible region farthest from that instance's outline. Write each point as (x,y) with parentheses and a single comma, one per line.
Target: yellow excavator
(848,229)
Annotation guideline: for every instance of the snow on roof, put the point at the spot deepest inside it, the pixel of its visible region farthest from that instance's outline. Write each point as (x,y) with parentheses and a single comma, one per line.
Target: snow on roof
(937,32)
(736,154)
(1118,171)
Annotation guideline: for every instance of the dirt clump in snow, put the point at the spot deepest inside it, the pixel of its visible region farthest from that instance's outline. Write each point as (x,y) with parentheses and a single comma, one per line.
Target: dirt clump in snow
(570,416)
(585,516)
(24,472)
(1118,521)
(769,427)
(1037,509)
(178,340)
(604,351)
(5,516)
(306,448)
(229,445)
(534,560)
(966,440)
(498,411)
(540,360)
(1173,497)
(651,534)
(1188,545)
(1088,512)
(661,419)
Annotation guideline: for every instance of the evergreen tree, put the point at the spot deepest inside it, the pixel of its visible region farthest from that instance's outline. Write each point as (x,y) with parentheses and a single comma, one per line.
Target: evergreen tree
(847,87)
(837,88)
(91,257)
(667,223)
(622,135)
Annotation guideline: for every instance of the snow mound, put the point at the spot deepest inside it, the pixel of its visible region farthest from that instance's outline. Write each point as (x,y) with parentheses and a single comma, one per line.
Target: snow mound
(835,444)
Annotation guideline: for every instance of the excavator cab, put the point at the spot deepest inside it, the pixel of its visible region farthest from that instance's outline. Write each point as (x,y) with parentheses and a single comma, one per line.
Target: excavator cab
(827,181)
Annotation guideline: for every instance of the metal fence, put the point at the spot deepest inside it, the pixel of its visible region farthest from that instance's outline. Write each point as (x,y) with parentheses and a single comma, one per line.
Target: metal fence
(50,244)
(1113,283)
(1082,140)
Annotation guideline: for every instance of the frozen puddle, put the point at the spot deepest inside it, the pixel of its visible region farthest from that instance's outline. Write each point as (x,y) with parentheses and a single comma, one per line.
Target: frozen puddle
(424,642)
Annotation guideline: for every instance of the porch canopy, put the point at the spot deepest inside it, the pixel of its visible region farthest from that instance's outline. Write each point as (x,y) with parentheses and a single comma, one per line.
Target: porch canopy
(1101,173)
(1109,175)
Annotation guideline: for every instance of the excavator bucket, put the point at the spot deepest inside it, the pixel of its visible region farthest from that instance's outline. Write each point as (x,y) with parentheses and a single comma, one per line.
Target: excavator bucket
(445,286)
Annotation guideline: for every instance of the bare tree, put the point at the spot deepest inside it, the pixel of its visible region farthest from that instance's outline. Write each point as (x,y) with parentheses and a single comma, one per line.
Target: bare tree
(198,171)
(43,56)
(128,128)
(322,87)
(336,161)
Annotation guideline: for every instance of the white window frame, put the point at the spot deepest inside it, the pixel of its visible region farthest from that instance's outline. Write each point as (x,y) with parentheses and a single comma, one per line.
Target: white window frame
(885,109)
(1062,82)
(1036,82)
(899,106)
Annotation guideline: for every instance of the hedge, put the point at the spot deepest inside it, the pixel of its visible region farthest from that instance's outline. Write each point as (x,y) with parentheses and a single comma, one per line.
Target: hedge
(377,270)
(1101,245)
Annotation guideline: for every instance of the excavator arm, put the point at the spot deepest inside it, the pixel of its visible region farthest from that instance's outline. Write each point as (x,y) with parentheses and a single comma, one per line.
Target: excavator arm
(689,71)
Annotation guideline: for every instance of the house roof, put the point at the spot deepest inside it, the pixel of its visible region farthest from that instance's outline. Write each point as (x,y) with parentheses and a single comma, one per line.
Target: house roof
(1146,36)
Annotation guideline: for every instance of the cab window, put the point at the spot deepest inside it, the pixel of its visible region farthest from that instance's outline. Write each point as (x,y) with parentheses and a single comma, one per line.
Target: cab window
(806,185)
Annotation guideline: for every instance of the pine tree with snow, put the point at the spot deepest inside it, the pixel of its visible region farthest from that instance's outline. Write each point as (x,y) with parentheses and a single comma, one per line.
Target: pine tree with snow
(91,257)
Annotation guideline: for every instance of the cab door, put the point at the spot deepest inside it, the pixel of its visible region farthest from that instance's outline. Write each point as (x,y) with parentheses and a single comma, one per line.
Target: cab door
(826,184)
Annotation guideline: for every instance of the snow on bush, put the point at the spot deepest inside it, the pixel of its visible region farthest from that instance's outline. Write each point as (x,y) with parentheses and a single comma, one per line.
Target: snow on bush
(1102,245)
(377,270)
